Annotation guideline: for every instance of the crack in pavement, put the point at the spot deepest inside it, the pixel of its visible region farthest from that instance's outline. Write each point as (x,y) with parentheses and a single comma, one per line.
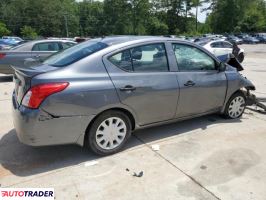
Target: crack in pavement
(179,169)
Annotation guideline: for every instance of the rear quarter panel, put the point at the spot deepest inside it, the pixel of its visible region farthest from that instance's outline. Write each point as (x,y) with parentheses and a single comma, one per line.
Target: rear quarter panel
(90,89)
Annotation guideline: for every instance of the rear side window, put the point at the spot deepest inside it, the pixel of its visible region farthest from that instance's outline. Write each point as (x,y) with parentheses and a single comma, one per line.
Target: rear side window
(122,60)
(227,45)
(146,58)
(66,45)
(75,53)
(46,46)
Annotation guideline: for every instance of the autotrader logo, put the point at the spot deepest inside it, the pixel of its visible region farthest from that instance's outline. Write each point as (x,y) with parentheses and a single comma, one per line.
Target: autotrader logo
(27,193)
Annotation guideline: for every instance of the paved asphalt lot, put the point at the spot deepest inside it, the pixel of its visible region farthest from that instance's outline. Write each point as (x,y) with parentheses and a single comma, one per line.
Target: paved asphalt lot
(203,158)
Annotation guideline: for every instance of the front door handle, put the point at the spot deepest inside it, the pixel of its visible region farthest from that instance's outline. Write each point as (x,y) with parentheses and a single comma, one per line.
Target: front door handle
(189,84)
(128,88)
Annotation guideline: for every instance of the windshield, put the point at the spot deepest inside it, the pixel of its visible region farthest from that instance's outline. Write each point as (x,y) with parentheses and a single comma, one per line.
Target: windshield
(75,53)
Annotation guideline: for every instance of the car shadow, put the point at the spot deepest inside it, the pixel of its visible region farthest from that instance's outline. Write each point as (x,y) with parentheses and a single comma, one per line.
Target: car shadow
(22,160)
(6,78)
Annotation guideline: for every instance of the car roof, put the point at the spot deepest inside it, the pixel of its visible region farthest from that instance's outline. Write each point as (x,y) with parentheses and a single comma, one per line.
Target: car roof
(212,41)
(113,40)
(28,45)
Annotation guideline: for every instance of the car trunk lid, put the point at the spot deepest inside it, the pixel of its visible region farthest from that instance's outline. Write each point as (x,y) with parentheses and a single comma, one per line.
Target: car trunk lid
(23,77)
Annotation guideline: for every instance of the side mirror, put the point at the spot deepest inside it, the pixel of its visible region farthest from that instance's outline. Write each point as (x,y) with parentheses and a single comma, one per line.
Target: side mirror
(221,67)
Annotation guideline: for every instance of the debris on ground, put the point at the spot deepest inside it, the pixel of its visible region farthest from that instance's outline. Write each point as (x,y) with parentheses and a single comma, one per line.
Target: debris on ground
(138,175)
(91,163)
(155,147)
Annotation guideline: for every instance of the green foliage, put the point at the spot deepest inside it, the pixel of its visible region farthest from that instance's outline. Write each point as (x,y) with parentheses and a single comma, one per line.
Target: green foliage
(156,27)
(237,16)
(28,32)
(3,30)
(59,18)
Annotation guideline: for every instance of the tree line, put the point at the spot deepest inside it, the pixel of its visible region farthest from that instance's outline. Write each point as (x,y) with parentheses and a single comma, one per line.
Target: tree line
(61,18)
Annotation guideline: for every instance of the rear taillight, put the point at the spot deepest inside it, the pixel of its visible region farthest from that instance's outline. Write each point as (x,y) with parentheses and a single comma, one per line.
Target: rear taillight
(35,96)
(2,55)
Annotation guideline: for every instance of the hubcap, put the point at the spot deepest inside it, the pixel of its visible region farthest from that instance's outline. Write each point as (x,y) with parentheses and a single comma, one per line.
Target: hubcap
(111,133)
(236,107)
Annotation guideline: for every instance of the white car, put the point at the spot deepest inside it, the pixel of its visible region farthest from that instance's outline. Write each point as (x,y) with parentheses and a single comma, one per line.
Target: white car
(219,48)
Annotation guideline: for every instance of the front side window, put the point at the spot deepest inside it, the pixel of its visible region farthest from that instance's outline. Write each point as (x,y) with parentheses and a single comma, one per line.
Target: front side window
(146,58)
(46,46)
(190,58)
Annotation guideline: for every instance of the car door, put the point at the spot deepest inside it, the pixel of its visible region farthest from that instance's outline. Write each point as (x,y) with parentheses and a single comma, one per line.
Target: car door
(144,82)
(202,86)
(42,50)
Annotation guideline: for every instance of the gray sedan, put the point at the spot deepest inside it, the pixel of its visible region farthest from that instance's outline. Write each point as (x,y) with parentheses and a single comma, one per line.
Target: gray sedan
(96,93)
(30,53)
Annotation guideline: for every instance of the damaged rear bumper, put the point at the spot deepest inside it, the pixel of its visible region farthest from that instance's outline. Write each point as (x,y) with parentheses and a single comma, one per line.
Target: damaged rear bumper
(36,127)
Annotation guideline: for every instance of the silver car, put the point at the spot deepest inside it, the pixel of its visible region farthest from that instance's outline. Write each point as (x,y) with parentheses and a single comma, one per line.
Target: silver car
(30,53)
(96,93)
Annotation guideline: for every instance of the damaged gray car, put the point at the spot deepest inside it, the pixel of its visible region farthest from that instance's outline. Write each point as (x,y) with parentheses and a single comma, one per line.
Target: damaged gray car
(96,93)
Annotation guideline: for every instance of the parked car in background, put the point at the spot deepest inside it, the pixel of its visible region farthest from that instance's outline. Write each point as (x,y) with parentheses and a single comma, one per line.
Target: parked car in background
(242,35)
(250,40)
(4,45)
(262,39)
(96,93)
(12,38)
(233,39)
(30,53)
(221,47)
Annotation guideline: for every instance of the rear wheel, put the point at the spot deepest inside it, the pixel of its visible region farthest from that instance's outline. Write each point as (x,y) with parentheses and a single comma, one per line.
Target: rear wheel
(235,106)
(109,132)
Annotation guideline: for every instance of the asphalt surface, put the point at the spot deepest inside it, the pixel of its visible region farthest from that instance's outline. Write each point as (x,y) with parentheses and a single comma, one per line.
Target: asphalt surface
(203,158)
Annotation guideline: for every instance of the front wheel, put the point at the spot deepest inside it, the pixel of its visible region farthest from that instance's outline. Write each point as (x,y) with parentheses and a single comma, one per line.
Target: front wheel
(109,132)
(236,105)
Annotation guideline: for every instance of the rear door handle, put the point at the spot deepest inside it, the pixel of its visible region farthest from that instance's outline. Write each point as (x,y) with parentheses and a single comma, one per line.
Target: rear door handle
(128,88)
(189,84)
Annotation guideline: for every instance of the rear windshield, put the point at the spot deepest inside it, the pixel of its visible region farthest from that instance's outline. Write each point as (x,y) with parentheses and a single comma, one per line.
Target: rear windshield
(75,53)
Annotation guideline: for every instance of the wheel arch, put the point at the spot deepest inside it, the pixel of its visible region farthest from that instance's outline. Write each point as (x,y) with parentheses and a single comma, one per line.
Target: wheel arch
(125,111)
(225,103)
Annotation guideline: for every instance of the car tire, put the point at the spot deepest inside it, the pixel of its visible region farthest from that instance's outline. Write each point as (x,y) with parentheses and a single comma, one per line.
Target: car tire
(235,106)
(241,57)
(109,132)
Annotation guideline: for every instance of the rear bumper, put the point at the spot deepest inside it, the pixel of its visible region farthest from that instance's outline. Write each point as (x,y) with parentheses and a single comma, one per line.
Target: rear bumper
(36,127)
